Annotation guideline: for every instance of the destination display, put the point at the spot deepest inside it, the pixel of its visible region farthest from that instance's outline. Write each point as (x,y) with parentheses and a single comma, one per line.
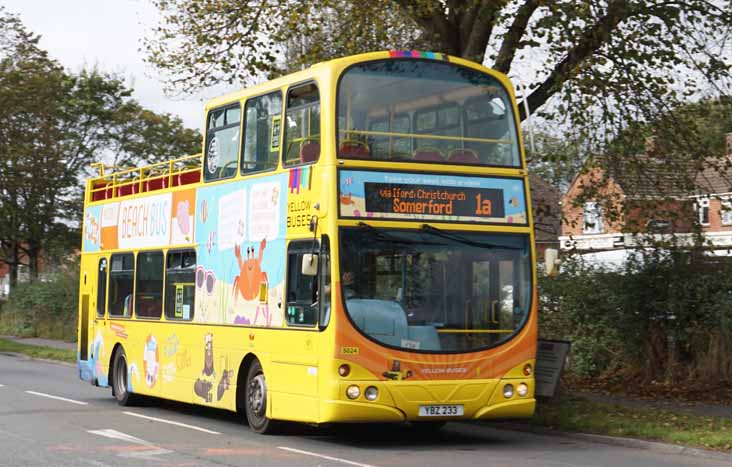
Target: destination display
(448,198)
(435,200)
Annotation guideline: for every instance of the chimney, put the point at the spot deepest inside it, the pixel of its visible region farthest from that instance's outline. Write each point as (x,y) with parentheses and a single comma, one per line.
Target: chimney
(728,144)
(651,145)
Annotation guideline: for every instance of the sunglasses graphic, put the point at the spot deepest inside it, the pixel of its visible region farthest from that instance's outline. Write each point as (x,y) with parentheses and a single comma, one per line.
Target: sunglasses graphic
(207,278)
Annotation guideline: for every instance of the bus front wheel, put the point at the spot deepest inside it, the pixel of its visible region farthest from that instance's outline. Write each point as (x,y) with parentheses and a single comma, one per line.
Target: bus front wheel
(256,401)
(119,379)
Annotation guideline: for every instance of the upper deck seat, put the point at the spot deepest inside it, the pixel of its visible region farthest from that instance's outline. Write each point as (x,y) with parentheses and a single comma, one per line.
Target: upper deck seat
(356,150)
(309,151)
(463,156)
(429,155)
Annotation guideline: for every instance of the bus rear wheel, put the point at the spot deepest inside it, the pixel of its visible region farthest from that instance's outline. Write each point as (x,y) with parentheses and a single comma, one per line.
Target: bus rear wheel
(255,401)
(119,379)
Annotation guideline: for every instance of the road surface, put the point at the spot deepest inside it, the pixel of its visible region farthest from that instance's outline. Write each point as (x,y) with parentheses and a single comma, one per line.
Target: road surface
(48,417)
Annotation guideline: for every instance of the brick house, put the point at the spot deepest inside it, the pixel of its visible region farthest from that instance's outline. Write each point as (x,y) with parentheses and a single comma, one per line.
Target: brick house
(613,199)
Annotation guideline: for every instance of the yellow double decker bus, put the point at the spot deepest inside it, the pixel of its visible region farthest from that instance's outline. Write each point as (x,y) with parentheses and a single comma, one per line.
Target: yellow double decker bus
(354,244)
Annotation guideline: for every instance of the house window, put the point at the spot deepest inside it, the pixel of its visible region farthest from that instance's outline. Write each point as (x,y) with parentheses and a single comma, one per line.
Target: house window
(726,211)
(702,208)
(592,218)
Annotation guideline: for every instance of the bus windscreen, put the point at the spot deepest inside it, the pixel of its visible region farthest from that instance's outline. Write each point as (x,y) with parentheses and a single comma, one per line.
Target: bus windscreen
(425,111)
(435,290)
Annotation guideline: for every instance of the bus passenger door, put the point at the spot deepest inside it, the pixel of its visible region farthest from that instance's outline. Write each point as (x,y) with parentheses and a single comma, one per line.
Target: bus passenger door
(295,367)
(91,287)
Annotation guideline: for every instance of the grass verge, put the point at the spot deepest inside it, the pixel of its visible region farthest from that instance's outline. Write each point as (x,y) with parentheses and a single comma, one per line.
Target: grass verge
(38,352)
(571,413)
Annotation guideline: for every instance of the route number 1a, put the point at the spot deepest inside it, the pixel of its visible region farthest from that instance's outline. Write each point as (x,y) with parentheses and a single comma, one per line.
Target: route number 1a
(483,207)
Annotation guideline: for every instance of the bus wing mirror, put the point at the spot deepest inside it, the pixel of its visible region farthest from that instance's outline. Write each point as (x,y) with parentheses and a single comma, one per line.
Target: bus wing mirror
(551,262)
(309,264)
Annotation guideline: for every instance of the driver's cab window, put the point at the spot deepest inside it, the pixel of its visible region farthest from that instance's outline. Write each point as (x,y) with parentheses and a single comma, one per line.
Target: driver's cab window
(222,143)
(302,125)
(308,296)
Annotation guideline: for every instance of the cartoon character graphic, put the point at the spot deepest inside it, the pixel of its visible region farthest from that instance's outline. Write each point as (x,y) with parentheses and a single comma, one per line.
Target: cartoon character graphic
(250,275)
(396,372)
(150,361)
(346,199)
(97,355)
(183,217)
(204,385)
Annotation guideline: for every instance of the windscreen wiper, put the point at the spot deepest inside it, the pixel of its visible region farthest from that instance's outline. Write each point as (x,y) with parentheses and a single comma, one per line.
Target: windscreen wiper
(458,238)
(382,234)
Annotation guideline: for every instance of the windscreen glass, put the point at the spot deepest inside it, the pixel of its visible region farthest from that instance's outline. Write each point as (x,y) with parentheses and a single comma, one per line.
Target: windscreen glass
(435,290)
(425,111)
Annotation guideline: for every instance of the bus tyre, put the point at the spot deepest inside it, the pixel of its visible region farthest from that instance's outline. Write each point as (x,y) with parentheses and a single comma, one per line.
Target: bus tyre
(255,401)
(119,379)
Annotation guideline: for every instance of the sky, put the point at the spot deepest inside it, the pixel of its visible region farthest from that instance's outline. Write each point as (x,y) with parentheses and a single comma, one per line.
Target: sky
(106,34)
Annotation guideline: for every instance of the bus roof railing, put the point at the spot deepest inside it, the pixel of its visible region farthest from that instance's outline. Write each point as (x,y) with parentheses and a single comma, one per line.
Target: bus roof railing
(115,182)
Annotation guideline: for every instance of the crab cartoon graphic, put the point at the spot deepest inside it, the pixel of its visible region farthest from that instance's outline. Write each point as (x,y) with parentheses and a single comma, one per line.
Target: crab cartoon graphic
(346,199)
(250,275)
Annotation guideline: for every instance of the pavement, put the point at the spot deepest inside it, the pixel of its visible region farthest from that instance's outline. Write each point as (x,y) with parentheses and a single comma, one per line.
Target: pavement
(40,342)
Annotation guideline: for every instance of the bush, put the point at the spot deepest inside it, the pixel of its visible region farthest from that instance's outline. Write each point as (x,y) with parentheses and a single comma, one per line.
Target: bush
(45,308)
(663,316)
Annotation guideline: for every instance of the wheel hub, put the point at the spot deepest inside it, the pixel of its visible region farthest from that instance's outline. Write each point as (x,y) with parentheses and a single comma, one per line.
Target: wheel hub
(257,395)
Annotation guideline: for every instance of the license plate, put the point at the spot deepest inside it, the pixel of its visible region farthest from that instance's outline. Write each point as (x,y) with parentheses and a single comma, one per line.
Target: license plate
(440,410)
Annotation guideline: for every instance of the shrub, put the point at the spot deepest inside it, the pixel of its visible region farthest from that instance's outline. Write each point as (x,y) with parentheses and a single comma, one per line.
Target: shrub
(45,308)
(664,316)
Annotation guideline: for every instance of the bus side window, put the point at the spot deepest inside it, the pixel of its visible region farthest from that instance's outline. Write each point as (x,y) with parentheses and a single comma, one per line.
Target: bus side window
(180,285)
(149,285)
(262,133)
(121,284)
(101,287)
(302,125)
(324,283)
(222,143)
(302,299)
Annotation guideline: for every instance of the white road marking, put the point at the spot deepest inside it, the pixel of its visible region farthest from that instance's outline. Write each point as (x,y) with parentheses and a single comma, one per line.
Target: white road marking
(114,434)
(2,385)
(146,454)
(56,397)
(170,422)
(322,456)
(94,462)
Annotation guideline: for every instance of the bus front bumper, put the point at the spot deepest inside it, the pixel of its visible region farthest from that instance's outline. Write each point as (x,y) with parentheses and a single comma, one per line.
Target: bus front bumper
(402,401)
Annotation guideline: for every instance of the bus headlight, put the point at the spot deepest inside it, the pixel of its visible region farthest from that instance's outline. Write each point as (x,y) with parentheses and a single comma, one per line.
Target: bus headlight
(353,391)
(522,390)
(371,393)
(508,391)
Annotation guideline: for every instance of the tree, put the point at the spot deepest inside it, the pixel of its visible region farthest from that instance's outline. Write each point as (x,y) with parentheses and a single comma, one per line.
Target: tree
(53,125)
(612,52)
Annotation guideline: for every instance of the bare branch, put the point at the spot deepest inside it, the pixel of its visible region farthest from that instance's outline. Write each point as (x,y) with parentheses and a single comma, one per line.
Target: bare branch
(513,37)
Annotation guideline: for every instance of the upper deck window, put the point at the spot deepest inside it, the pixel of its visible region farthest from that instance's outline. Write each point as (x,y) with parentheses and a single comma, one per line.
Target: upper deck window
(262,133)
(222,143)
(425,111)
(302,125)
